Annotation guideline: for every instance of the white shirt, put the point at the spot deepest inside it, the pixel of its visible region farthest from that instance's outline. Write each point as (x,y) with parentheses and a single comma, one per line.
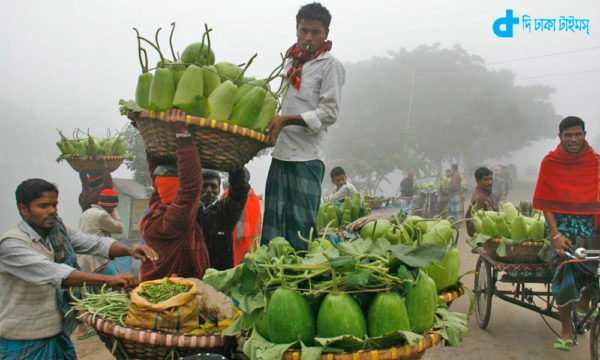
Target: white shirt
(318,102)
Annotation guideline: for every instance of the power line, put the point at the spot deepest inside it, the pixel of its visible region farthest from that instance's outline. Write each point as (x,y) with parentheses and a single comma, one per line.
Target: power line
(543,56)
(563,74)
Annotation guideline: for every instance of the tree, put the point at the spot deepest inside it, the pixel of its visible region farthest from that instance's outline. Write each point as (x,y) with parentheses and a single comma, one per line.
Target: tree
(429,107)
(138,164)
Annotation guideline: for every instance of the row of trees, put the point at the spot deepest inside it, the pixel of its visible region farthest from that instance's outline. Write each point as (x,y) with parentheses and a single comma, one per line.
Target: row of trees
(429,107)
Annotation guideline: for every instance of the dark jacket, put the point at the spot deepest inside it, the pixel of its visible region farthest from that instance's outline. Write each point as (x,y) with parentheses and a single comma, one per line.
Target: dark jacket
(171,230)
(218,220)
(90,196)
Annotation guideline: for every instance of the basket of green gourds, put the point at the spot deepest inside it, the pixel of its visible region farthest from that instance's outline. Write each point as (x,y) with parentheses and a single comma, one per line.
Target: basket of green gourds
(227,112)
(91,154)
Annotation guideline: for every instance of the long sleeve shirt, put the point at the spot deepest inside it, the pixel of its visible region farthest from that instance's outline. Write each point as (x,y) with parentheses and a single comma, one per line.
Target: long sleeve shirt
(96,220)
(346,190)
(480,200)
(20,260)
(171,229)
(318,102)
(219,219)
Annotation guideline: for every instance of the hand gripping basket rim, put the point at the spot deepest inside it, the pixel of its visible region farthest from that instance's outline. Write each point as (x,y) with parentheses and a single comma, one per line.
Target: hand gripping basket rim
(143,342)
(221,146)
(96,165)
(404,352)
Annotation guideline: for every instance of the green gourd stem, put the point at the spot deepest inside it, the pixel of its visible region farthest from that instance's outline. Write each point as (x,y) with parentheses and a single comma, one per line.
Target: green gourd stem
(156,38)
(207,32)
(140,50)
(241,75)
(162,59)
(171,41)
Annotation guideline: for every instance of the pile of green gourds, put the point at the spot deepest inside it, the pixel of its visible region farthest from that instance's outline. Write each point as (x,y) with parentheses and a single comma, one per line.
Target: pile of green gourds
(510,224)
(194,83)
(88,146)
(414,231)
(341,214)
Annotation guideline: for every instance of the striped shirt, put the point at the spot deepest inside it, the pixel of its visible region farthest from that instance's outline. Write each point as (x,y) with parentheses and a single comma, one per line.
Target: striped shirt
(19,260)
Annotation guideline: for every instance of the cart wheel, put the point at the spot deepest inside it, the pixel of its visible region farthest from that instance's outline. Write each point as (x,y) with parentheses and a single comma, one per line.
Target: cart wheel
(595,339)
(483,292)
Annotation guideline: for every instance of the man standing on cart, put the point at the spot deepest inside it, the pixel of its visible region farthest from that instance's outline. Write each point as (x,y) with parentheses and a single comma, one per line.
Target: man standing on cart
(567,192)
(310,106)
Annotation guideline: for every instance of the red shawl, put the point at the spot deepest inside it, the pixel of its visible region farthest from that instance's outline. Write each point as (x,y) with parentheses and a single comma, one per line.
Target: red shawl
(294,74)
(569,183)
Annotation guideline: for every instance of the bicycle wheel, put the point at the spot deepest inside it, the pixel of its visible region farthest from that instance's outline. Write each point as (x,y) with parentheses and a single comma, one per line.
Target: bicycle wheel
(595,339)
(483,292)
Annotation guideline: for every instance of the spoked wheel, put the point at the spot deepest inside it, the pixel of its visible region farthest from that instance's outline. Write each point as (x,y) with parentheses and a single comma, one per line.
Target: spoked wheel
(483,292)
(595,339)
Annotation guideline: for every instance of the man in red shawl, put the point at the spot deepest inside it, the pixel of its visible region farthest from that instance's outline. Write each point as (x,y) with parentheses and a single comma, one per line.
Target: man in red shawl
(567,192)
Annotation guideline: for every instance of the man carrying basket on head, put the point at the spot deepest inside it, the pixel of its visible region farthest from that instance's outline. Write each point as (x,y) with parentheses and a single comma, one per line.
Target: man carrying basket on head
(310,106)
(568,193)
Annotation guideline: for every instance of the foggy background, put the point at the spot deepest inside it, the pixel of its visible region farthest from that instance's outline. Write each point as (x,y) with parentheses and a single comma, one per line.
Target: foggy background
(65,64)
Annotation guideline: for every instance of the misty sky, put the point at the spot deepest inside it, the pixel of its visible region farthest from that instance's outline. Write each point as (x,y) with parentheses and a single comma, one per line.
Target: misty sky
(65,64)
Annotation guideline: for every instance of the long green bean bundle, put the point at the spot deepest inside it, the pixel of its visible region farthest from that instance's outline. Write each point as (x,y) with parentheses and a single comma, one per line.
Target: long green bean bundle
(110,305)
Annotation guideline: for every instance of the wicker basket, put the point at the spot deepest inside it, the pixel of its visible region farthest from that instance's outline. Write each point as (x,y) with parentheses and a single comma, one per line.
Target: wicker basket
(375,203)
(405,352)
(453,294)
(221,146)
(524,253)
(127,343)
(91,166)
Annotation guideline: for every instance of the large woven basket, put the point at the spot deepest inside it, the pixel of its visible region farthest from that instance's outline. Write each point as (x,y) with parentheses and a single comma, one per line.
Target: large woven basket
(91,166)
(524,253)
(405,352)
(452,294)
(127,343)
(375,203)
(221,146)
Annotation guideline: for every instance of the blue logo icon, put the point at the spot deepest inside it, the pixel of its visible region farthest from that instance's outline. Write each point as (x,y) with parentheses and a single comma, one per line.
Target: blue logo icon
(508,21)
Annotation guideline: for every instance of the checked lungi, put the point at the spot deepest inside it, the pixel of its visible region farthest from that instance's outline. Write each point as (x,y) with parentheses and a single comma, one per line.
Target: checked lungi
(292,200)
(58,347)
(455,207)
(572,277)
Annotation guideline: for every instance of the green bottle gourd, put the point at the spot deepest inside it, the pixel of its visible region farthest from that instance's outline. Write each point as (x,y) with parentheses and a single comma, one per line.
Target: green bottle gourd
(331,217)
(220,101)
(198,53)
(321,217)
(421,303)
(177,68)
(246,110)
(211,79)
(161,91)
(387,313)
(518,229)
(245,88)
(228,71)
(189,95)
(142,90)
(119,147)
(289,318)
(266,114)
(346,217)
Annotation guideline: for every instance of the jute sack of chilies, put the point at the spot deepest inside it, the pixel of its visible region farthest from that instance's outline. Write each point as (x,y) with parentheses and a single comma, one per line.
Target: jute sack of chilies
(176,315)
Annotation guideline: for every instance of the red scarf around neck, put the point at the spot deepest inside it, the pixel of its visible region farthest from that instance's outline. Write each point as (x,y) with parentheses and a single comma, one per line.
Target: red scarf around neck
(299,56)
(569,183)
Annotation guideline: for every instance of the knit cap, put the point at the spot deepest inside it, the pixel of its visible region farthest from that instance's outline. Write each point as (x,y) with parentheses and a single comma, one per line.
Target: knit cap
(108,198)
